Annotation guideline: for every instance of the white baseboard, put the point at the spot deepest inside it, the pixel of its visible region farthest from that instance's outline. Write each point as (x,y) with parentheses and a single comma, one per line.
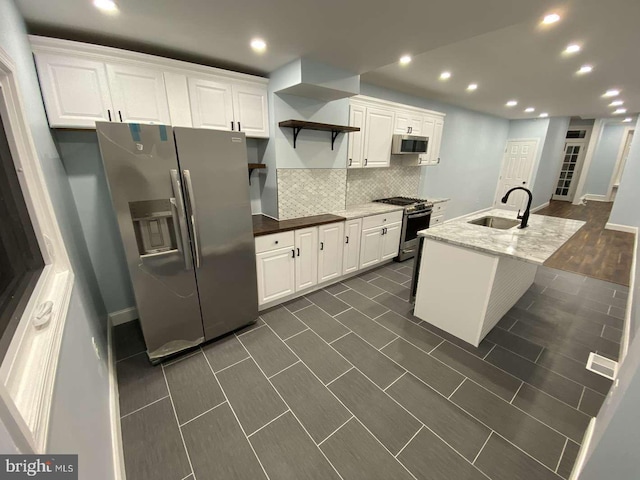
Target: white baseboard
(590,197)
(540,207)
(584,448)
(626,330)
(123,316)
(621,228)
(469,214)
(114,409)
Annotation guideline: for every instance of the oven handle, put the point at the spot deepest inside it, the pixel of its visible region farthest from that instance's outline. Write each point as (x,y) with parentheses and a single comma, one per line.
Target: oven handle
(419,215)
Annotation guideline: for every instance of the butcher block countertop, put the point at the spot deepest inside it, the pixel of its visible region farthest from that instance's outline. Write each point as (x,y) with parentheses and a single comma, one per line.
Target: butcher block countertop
(263,225)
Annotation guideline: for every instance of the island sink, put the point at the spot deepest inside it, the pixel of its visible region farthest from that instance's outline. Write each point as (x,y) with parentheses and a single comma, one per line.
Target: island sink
(500,223)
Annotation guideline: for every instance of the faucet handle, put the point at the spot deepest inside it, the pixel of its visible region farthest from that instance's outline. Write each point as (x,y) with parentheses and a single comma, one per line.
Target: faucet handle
(519,217)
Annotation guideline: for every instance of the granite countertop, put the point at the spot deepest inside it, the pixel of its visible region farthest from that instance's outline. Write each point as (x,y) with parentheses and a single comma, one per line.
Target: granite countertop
(435,200)
(534,244)
(263,225)
(367,209)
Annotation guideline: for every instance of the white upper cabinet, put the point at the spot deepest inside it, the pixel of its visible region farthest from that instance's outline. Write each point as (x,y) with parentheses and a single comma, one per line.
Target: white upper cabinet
(138,94)
(211,104)
(408,123)
(437,141)
(75,91)
(250,109)
(377,137)
(355,155)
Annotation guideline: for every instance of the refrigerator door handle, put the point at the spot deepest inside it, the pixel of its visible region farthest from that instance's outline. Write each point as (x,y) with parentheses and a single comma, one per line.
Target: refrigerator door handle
(178,214)
(191,200)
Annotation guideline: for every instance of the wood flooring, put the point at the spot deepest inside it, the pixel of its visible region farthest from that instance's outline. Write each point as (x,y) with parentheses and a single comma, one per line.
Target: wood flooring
(593,251)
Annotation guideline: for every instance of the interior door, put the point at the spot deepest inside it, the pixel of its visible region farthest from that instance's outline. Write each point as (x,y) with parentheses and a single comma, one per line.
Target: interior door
(250,110)
(517,167)
(330,252)
(569,171)
(306,241)
(351,255)
(355,149)
(211,104)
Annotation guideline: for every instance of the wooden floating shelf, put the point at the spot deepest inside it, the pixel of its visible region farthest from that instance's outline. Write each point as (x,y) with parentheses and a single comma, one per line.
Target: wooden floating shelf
(298,125)
(255,166)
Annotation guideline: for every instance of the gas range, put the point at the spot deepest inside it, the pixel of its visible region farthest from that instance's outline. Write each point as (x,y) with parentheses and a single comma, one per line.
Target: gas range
(411,205)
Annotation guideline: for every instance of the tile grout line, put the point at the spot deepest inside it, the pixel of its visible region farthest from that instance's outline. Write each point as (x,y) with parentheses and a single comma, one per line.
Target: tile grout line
(232,365)
(482,448)
(182,356)
(389,386)
(581,397)
(451,394)
(269,422)
(233,410)
(142,408)
(203,413)
(435,348)
(566,442)
(175,414)
(295,334)
(344,373)
(341,336)
(130,356)
(328,436)
(491,350)
(238,335)
(388,343)
(540,355)
(518,391)
(285,368)
(408,442)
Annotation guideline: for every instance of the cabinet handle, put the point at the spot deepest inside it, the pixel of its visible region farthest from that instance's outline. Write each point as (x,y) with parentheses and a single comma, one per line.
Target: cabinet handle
(233,128)
(120,115)
(321,245)
(350,161)
(298,251)
(293,253)
(365,162)
(109,112)
(276,242)
(347,239)
(239,127)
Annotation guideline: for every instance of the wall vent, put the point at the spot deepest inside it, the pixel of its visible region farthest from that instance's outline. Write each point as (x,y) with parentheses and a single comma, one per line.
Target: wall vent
(602,366)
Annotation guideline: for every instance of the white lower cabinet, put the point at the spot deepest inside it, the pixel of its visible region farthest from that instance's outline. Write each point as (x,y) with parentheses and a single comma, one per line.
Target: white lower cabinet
(370,247)
(351,248)
(331,238)
(306,257)
(276,274)
(390,241)
(380,238)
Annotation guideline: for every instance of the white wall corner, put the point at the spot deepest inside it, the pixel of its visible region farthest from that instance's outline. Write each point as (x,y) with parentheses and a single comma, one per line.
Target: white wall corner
(621,228)
(591,197)
(540,207)
(114,408)
(594,139)
(123,316)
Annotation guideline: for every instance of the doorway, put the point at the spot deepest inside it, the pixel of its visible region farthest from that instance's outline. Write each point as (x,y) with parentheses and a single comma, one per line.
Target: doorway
(516,171)
(620,163)
(574,153)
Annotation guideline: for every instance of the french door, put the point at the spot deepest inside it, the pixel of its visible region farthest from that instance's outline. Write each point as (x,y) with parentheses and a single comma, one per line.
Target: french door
(569,171)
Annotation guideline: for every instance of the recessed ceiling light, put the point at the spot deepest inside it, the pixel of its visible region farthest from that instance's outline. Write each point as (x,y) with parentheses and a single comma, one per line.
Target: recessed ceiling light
(616,103)
(445,75)
(551,18)
(585,69)
(405,59)
(620,111)
(258,45)
(628,119)
(611,93)
(108,6)
(472,87)
(573,48)
(544,115)
(511,103)
(529,110)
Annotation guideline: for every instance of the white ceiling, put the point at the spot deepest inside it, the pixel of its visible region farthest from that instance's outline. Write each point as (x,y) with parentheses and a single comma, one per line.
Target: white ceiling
(495,43)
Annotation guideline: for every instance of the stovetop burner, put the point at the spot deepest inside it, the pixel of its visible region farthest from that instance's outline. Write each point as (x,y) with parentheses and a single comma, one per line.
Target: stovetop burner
(401,201)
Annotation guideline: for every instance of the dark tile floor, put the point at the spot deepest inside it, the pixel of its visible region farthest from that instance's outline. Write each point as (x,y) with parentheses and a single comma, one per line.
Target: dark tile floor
(347,383)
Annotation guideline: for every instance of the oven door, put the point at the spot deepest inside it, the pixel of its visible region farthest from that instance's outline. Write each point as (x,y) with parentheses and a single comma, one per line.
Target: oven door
(413,223)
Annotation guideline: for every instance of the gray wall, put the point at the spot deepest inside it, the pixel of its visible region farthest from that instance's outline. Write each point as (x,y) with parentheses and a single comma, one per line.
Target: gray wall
(80,420)
(471,152)
(551,157)
(604,160)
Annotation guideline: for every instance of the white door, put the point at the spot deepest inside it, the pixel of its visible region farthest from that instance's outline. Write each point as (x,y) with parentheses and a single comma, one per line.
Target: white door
(370,247)
(351,247)
(330,252)
(621,163)
(139,94)
(517,167)
(276,274)
(211,104)
(391,241)
(250,110)
(355,149)
(75,91)
(306,241)
(573,157)
(434,156)
(378,135)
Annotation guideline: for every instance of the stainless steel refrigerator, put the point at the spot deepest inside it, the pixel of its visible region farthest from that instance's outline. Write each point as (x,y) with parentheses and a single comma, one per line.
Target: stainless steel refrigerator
(181,196)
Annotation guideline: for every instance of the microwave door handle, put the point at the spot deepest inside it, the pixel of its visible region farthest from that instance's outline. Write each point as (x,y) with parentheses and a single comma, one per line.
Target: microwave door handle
(179,218)
(191,201)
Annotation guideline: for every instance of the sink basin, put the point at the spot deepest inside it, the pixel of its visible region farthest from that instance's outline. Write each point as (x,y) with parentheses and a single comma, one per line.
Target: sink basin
(495,222)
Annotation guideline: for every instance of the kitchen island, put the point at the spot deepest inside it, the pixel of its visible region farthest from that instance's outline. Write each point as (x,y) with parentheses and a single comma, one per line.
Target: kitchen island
(471,274)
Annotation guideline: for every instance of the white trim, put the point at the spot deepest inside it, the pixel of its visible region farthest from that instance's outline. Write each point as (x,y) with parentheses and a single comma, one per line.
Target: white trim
(626,331)
(123,316)
(114,410)
(28,372)
(623,143)
(621,228)
(598,128)
(532,169)
(540,207)
(584,448)
(592,197)
(365,100)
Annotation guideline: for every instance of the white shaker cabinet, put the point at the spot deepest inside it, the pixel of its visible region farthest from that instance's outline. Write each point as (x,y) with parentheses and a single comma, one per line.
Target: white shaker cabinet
(138,94)
(370,246)
(250,110)
(276,274)
(408,123)
(211,104)
(351,248)
(306,244)
(380,238)
(355,150)
(437,141)
(75,91)
(390,241)
(377,137)
(330,252)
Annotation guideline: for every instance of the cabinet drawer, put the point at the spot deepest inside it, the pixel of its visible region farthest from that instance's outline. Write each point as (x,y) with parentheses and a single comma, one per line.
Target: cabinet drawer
(274,241)
(381,220)
(439,208)
(436,220)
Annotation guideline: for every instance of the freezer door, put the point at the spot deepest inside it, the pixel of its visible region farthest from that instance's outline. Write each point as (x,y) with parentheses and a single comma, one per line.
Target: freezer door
(214,169)
(145,184)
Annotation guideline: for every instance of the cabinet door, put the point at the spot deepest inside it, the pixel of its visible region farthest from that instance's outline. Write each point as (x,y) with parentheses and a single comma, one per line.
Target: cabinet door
(378,133)
(276,274)
(75,91)
(437,141)
(211,104)
(370,247)
(428,128)
(415,125)
(401,124)
(351,247)
(139,94)
(355,150)
(250,110)
(391,241)
(330,252)
(306,258)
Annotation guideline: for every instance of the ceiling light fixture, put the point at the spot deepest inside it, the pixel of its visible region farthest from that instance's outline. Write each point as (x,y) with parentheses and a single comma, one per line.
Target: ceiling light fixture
(551,18)
(472,87)
(108,6)
(258,45)
(585,69)
(573,48)
(445,75)
(628,119)
(616,103)
(611,93)
(544,115)
(405,59)
(620,111)
(511,103)
(529,110)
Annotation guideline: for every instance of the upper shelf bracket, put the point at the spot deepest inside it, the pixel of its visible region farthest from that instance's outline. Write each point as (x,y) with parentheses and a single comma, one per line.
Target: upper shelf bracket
(298,125)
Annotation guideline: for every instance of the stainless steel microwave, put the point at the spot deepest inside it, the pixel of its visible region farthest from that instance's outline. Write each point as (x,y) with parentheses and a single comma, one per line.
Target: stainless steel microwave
(409,144)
